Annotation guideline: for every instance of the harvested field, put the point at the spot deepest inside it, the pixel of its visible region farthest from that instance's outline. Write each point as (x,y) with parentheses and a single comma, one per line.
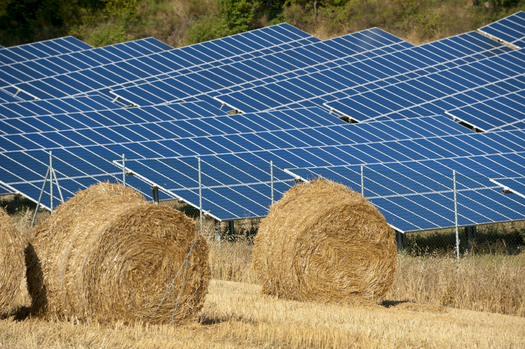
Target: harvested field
(12,266)
(236,315)
(324,242)
(109,256)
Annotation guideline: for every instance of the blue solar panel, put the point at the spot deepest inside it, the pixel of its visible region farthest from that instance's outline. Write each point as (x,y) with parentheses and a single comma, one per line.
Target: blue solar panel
(57,106)
(21,53)
(265,69)
(510,29)
(440,91)
(405,185)
(361,76)
(127,126)
(46,67)
(515,185)
(493,114)
(180,59)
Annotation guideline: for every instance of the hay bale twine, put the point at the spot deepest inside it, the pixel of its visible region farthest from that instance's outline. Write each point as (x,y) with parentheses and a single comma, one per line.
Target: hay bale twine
(108,255)
(12,267)
(324,242)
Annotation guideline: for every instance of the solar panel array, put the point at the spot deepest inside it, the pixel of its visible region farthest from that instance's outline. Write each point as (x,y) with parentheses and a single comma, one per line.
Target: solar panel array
(256,71)
(503,112)
(48,48)
(317,88)
(46,67)
(183,60)
(509,29)
(164,110)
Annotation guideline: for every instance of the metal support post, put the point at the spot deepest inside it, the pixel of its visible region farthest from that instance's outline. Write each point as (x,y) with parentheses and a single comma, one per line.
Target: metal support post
(456,214)
(231,225)
(271,177)
(200,194)
(155,194)
(40,197)
(123,170)
(362,181)
(399,241)
(51,181)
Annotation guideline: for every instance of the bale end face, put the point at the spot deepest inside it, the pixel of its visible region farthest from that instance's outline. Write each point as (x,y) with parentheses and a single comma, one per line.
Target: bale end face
(324,242)
(109,256)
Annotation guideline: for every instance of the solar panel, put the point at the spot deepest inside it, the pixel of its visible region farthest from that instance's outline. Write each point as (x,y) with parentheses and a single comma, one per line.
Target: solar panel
(492,114)
(54,47)
(315,89)
(69,62)
(170,125)
(418,195)
(440,91)
(7,97)
(264,69)
(5,190)
(182,60)
(515,185)
(510,30)
(57,106)
(236,148)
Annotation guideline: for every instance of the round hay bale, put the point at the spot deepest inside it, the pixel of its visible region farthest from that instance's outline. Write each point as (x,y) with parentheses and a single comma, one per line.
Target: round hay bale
(324,242)
(12,267)
(107,255)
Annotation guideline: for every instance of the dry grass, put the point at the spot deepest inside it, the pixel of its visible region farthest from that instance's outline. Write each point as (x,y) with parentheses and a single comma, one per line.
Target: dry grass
(483,283)
(236,315)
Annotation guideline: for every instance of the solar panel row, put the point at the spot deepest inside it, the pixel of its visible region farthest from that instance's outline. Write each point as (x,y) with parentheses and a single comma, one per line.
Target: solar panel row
(510,29)
(281,36)
(177,175)
(57,106)
(441,91)
(36,69)
(35,50)
(317,88)
(503,112)
(270,67)
(424,200)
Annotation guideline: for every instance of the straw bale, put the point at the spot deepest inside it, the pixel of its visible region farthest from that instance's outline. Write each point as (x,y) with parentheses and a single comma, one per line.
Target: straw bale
(12,267)
(324,242)
(107,255)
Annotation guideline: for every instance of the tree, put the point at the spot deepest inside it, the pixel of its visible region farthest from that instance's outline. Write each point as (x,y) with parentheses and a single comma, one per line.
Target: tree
(239,14)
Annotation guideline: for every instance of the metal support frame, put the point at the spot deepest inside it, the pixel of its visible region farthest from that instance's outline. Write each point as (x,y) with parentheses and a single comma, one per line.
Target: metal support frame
(271,177)
(51,175)
(123,170)
(231,225)
(155,194)
(456,214)
(401,238)
(362,181)
(200,194)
